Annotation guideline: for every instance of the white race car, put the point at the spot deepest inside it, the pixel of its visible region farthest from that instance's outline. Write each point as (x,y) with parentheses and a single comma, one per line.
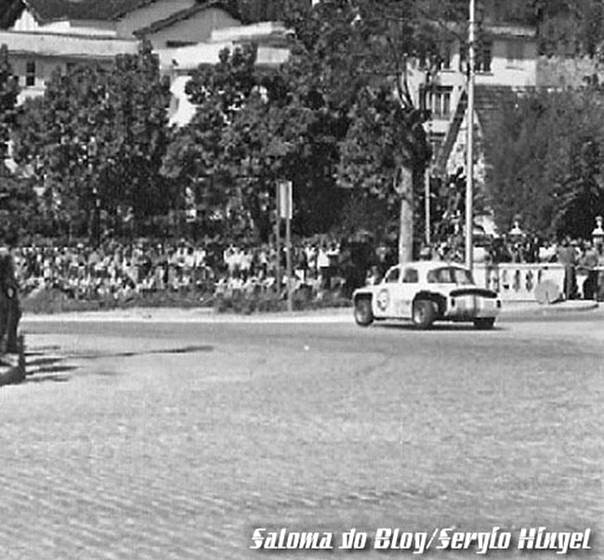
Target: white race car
(427,291)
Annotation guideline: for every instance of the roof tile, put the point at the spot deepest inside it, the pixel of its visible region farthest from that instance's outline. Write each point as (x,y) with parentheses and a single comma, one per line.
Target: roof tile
(52,10)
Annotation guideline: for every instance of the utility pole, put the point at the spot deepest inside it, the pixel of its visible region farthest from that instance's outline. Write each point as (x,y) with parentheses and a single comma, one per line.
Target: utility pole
(470,140)
(427,191)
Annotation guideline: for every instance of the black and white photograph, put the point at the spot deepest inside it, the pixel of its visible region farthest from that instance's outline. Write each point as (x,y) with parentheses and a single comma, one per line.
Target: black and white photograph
(303,279)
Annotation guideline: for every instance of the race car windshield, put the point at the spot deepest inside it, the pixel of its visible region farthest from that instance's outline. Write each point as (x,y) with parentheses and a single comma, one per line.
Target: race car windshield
(450,275)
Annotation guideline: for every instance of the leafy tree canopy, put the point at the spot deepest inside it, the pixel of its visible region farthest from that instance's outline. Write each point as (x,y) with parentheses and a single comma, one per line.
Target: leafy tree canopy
(9,90)
(546,156)
(365,61)
(251,129)
(96,139)
(343,109)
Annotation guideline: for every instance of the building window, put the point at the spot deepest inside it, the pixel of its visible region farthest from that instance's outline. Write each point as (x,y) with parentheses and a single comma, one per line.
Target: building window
(393,276)
(515,52)
(411,276)
(30,73)
(484,56)
(436,140)
(439,101)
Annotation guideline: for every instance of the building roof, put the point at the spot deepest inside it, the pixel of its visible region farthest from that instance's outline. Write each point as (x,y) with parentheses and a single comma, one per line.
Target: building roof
(104,10)
(488,103)
(185,14)
(65,45)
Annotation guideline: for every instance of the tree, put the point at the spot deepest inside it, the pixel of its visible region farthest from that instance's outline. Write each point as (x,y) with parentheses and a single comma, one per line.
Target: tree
(9,90)
(137,136)
(368,62)
(311,120)
(196,156)
(252,128)
(10,10)
(569,27)
(95,142)
(16,198)
(268,10)
(546,162)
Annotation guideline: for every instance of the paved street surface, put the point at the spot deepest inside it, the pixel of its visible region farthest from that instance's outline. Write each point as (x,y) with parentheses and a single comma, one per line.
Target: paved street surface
(168,441)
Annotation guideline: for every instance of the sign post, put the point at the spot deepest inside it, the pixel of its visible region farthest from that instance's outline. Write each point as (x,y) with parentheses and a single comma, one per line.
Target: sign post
(285,211)
(278,241)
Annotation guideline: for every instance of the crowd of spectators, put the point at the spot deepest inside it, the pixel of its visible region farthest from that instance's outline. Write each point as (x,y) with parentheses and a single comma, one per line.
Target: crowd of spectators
(121,271)
(578,256)
(525,250)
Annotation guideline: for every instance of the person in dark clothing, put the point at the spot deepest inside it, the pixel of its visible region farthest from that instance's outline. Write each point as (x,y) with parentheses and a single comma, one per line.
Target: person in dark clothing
(589,262)
(10,310)
(567,256)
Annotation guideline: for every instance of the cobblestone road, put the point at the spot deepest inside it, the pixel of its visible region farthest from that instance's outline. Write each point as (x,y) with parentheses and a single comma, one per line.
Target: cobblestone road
(173,442)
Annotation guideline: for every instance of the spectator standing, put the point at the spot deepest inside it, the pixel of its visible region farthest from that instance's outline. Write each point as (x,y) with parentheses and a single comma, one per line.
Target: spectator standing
(589,262)
(567,257)
(323,265)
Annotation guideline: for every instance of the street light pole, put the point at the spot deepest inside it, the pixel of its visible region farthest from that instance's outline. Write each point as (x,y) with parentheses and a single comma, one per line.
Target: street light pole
(470,140)
(427,191)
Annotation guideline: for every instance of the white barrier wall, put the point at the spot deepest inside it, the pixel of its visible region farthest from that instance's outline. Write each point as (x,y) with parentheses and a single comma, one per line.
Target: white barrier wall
(517,282)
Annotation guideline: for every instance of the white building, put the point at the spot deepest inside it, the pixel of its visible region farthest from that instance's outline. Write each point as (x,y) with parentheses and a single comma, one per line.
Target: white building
(42,36)
(506,61)
(180,62)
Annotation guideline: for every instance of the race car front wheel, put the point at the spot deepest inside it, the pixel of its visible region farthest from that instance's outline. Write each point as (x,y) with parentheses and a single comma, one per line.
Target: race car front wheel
(362,312)
(424,313)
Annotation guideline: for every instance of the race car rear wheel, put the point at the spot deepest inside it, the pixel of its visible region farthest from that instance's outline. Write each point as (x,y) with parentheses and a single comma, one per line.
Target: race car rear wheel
(484,323)
(424,313)
(362,312)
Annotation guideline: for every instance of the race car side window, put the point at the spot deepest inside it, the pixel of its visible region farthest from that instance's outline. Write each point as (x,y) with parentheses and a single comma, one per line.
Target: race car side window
(440,276)
(411,276)
(450,275)
(393,275)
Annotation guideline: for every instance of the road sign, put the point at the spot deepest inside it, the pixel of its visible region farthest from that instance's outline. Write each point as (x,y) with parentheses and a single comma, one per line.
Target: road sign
(285,203)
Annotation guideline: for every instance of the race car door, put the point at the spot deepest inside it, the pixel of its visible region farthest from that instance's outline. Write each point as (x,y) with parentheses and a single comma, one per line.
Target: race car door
(408,289)
(402,293)
(395,297)
(387,293)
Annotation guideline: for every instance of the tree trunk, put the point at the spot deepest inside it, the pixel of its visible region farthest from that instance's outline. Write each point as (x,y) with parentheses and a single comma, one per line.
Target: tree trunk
(405,239)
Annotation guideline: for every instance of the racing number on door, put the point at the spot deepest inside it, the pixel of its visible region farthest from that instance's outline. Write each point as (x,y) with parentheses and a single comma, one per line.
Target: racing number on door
(382,301)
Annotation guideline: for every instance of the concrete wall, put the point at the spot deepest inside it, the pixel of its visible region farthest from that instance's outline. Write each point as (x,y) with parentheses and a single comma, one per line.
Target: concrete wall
(516,73)
(518,282)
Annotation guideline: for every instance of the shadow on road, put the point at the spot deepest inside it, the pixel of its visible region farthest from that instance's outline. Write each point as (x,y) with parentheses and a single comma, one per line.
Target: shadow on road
(41,367)
(184,350)
(443,327)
